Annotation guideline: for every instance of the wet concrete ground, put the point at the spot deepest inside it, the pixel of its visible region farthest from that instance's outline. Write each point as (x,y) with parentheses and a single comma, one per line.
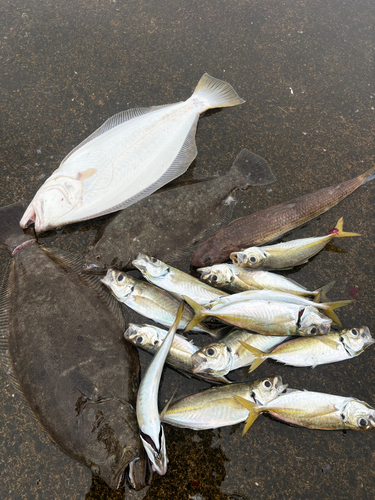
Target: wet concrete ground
(306,71)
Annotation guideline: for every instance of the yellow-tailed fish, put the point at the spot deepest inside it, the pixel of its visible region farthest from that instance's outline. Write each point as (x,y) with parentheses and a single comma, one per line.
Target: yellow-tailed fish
(266,317)
(129,157)
(238,279)
(315,410)
(148,300)
(150,338)
(313,351)
(217,407)
(175,281)
(274,295)
(219,358)
(288,254)
(151,430)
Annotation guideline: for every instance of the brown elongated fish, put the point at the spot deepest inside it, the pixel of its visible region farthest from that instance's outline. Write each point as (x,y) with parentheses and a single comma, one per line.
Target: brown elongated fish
(63,349)
(170,224)
(270,223)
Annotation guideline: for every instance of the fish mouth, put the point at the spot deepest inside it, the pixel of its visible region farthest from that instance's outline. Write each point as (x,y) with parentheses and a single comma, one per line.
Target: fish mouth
(238,258)
(93,268)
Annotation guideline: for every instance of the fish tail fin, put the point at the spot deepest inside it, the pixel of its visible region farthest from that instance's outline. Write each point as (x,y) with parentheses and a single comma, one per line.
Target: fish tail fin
(369,175)
(337,232)
(216,93)
(323,290)
(330,306)
(11,234)
(257,353)
(198,311)
(253,412)
(250,169)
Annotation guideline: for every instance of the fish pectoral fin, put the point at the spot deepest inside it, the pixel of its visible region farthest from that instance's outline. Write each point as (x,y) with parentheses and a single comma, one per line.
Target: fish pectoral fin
(165,409)
(254,411)
(333,344)
(228,402)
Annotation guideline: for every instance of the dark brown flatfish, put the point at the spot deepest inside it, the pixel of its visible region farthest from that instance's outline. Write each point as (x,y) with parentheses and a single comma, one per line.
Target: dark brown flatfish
(270,223)
(63,348)
(170,224)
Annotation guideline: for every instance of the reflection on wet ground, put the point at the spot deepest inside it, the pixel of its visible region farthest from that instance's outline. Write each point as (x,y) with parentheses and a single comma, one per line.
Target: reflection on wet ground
(306,72)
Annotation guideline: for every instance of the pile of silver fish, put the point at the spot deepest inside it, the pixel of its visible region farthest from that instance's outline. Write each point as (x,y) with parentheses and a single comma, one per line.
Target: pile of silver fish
(82,384)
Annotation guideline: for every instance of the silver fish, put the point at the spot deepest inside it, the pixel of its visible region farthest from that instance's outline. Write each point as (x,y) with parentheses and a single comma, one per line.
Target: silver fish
(219,358)
(315,410)
(151,430)
(148,300)
(238,279)
(217,407)
(129,157)
(313,351)
(266,317)
(288,254)
(175,281)
(150,338)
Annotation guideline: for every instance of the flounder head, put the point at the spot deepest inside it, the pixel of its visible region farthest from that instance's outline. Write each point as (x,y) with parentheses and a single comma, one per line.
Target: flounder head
(112,441)
(54,200)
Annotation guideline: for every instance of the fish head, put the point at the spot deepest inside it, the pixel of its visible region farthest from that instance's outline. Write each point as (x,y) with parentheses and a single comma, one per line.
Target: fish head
(112,251)
(219,275)
(150,266)
(112,441)
(55,199)
(215,358)
(120,284)
(156,451)
(310,322)
(358,415)
(265,390)
(145,336)
(356,339)
(251,257)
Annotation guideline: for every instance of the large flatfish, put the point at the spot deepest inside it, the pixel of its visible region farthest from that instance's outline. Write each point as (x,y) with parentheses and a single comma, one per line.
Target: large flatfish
(170,224)
(270,223)
(63,348)
(129,157)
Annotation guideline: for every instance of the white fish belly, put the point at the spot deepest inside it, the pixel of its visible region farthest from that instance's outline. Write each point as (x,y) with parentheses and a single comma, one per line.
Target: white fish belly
(128,158)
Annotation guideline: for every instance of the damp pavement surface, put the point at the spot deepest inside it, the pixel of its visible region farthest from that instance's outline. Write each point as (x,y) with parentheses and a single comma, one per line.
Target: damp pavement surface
(306,71)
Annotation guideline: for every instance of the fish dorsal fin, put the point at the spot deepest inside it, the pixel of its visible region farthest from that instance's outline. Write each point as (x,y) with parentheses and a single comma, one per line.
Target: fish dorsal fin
(180,164)
(5,294)
(165,409)
(75,262)
(114,121)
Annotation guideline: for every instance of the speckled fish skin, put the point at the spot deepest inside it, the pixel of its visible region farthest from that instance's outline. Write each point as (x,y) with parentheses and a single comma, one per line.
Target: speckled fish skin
(314,351)
(238,279)
(170,224)
(63,349)
(129,157)
(148,300)
(317,410)
(217,407)
(220,358)
(149,338)
(270,223)
(266,317)
(289,253)
(175,281)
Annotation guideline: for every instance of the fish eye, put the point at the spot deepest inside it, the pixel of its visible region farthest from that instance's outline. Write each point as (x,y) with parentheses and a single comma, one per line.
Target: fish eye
(253,259)
(120,277)
(313,330)
(354,332)
(154,260)
(210,351)
(362,422)
(98,257)
(214,278)
(114,459)
(267,384)
(156,342)
(139,340)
